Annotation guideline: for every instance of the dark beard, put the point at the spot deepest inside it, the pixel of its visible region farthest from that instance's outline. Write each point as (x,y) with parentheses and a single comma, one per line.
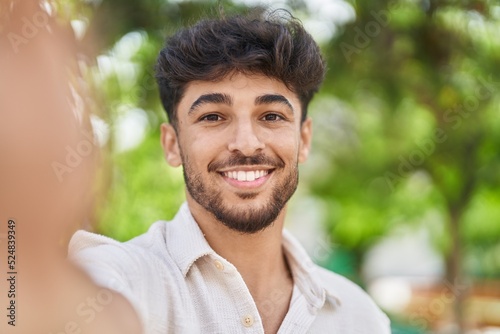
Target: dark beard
(250,220)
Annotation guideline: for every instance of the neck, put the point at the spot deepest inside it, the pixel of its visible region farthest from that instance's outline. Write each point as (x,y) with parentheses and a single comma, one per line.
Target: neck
(259,257)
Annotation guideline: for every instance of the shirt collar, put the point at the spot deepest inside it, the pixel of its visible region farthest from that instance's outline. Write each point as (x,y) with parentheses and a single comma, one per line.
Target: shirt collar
(186,244)
(306,276)
(185,241)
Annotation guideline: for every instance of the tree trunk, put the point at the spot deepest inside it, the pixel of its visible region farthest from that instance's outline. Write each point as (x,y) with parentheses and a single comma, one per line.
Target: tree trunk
(454,276)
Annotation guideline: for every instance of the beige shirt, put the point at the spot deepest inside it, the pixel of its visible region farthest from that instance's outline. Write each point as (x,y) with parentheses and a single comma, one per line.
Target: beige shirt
(178,284)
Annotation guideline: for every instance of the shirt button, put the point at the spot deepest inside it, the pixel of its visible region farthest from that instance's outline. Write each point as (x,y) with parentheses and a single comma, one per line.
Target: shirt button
(247,321)
(219,265)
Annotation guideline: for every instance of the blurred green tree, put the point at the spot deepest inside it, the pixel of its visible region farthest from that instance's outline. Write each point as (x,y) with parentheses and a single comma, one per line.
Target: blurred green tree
(414,129)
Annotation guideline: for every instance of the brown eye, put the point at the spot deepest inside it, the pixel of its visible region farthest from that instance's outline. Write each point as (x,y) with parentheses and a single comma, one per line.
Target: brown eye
(272,117)
(211,118)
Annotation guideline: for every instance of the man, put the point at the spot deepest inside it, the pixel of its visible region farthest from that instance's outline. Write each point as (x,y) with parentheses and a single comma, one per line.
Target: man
(236,92)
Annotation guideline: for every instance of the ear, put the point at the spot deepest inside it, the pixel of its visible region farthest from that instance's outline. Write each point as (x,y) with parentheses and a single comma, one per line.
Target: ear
(170,144)
(305,139)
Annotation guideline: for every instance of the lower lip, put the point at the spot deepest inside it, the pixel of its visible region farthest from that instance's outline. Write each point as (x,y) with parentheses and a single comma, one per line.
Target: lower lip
(247,184)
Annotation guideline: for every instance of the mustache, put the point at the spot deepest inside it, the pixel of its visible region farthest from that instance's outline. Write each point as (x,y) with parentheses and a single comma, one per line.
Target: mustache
(239,159)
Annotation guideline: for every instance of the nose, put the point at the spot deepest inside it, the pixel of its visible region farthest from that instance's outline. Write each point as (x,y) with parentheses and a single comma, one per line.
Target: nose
(245,138)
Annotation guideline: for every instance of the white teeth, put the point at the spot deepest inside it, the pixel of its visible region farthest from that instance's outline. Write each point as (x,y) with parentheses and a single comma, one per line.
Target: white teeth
(246,176)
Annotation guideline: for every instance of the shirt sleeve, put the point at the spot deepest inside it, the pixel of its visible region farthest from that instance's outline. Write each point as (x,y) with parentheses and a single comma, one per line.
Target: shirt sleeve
(110,266)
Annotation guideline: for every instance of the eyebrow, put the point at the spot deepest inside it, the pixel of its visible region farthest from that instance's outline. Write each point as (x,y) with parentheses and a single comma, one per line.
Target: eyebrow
(216,98)
(273,98)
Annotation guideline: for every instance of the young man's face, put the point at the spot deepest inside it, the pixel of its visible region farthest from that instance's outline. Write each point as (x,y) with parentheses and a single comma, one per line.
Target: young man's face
(240,140)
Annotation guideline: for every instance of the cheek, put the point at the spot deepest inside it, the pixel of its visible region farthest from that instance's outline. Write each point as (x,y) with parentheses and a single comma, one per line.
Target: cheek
(284,143)
(201,149)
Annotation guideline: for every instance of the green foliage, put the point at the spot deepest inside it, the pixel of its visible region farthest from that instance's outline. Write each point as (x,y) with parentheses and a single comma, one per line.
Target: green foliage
(417,109)
(143,190)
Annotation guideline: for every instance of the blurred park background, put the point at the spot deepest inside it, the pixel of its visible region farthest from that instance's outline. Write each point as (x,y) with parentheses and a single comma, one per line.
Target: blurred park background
(402,191)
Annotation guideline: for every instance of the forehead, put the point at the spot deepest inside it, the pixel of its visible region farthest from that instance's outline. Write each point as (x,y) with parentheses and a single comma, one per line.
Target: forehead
(241,87)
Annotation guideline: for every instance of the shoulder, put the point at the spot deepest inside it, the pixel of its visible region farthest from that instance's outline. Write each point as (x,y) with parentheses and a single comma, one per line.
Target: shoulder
(341,286)
(114,264)
(351,302)
(345,303)
(84,242)
(138,269)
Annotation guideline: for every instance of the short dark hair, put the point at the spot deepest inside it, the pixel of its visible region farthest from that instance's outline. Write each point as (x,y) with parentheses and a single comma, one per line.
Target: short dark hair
(274,44)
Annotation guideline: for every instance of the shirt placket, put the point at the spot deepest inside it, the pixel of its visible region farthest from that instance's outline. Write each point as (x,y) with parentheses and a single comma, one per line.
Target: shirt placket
(246,313)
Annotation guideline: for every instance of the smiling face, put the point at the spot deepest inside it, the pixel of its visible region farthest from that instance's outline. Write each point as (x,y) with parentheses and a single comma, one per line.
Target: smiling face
(240,140)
